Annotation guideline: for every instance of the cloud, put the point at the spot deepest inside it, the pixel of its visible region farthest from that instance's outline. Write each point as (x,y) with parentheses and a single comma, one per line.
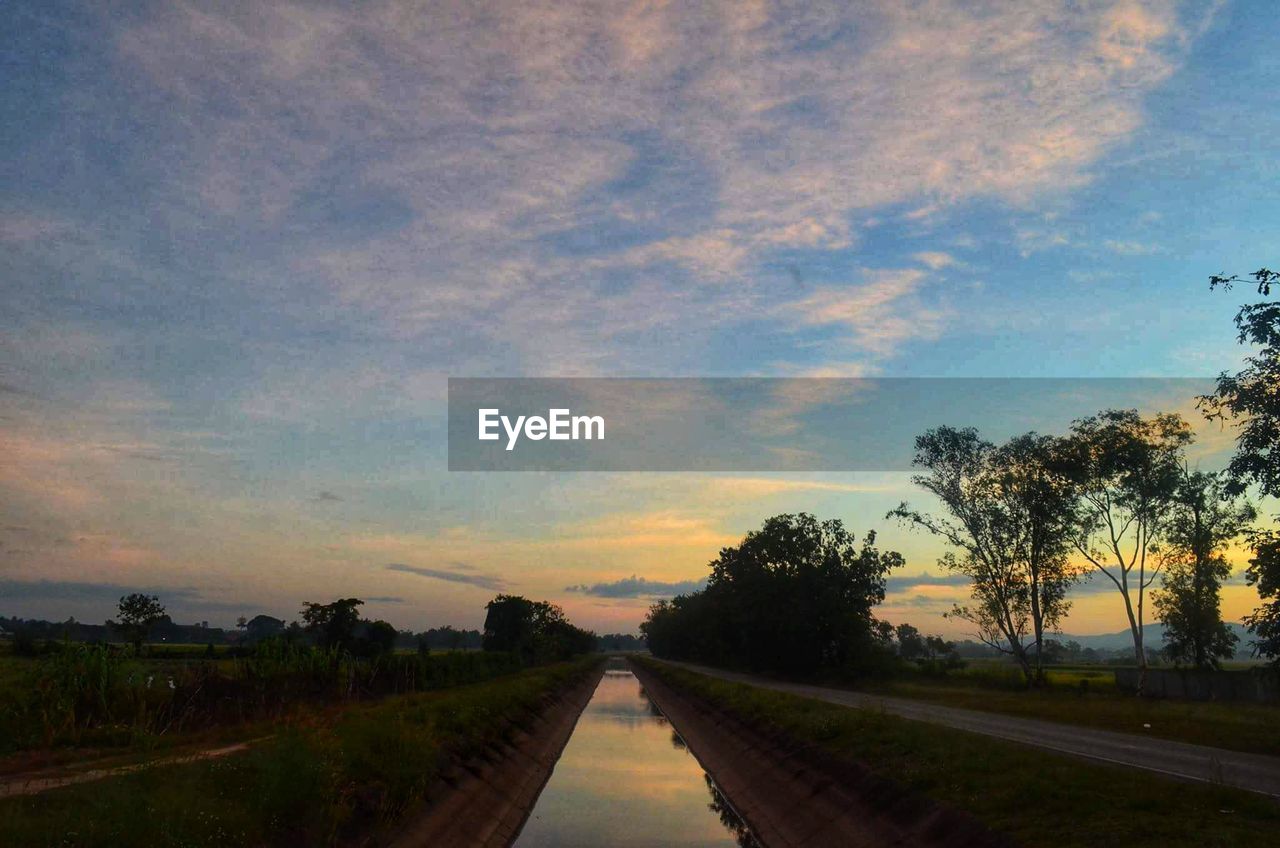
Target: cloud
(1130,248)
(903,582)
(720,488)
(935,260)
(108,594)
(878,315)
(639,587)
(11,389)
(588,169)
(457,573)
(356,202)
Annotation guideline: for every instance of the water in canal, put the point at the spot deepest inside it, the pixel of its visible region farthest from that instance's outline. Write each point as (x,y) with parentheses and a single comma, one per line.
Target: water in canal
(627,779)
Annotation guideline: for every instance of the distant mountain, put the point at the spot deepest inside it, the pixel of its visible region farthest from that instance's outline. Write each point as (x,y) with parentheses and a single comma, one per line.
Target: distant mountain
(1152,637)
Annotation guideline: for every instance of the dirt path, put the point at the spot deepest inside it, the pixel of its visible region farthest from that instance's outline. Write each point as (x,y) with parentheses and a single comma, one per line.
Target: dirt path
(35,782)
(1251,772)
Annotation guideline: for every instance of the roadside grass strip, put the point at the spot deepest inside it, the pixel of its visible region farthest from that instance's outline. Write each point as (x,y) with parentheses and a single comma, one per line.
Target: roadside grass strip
(1037,798)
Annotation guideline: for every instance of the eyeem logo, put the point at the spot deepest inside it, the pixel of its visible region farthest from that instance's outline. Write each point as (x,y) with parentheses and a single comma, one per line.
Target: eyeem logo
(560,425)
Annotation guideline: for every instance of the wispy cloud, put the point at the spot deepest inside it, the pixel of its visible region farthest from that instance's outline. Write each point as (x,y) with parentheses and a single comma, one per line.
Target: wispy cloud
(878,316)
(455,573)
(1130,248)
(905,583)
(106,595)
(313,214)
(638,587)
(570,158)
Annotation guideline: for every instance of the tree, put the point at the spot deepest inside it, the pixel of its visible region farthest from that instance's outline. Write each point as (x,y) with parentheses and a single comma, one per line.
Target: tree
(537,631)
(932,654)
(1264,575)
(260,627)
(377,640)
(794,596)
(1127,470)
(911,645)
(1251,401)
(1249,398)
(1009,524)
(137,613)
(1202,521)
(1039,498)
(333,625)
(509,624)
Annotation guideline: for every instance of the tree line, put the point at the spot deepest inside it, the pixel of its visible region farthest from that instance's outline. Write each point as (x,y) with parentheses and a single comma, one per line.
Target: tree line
(1114,498)
(533,631)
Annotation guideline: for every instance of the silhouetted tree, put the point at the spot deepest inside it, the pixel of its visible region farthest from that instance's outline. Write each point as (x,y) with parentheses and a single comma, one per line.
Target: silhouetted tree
(1127,470)
(794,596)
(1009,521)
(911,645)
(1250,399)
(1203,520)
(260,627)
(332,625)
(509,625)
(138,612)
(378,639)
(1264,575)
(537,631)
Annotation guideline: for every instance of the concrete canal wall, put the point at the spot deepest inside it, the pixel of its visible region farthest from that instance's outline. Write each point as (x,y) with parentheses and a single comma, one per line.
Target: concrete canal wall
(792,795)
(483,803)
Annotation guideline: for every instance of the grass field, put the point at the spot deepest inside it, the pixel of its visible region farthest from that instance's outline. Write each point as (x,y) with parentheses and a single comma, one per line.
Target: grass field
(329,783)
(84,695)
(1037,798)
(996,688)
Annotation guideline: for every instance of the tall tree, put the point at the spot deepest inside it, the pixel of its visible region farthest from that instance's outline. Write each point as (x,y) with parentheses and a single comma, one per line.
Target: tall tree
(1202,522)
(1126,469)
(1264,575)
(333,625)
(1008,522)
(535,630)
(138,612)
(798,593)
(1039,498)
(911,645)
(1250,400)
(794,596)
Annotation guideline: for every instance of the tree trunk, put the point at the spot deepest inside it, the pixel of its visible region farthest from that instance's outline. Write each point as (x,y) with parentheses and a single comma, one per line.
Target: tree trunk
(1037,623)
(1135,628)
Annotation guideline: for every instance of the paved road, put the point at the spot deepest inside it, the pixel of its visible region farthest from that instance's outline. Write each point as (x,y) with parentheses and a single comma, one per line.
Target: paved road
(1252,772)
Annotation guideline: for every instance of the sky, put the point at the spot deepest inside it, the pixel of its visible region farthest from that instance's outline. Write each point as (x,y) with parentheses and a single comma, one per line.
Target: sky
(244,246)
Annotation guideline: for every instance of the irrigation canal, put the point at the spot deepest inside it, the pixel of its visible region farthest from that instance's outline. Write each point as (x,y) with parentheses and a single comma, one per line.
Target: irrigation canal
(626,778)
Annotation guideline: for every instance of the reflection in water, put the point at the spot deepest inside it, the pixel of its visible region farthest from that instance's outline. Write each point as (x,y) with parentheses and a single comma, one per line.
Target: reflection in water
(729,816)
(626,778)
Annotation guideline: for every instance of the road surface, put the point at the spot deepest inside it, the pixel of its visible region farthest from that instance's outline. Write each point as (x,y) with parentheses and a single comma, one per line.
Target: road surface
(1251,772)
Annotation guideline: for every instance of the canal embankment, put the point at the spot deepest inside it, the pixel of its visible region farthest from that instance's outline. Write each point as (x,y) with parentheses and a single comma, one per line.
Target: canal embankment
(484,801)
(795,794)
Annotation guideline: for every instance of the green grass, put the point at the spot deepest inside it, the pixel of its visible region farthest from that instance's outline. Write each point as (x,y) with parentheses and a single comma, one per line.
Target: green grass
(1037,798)
(321,785)
(83,695)
(1232,725)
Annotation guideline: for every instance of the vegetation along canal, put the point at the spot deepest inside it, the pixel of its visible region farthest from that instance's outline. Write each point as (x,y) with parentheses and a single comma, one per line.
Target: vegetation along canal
(627,779)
